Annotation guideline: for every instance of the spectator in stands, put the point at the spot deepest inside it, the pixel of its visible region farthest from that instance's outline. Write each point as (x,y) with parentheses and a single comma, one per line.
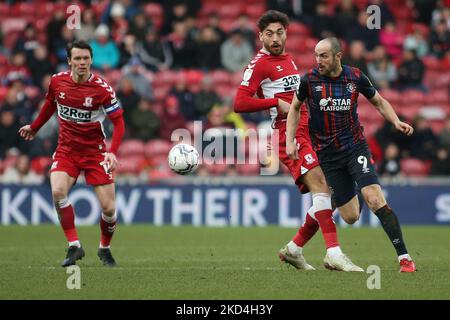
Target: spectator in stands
(440,39)
(135,72)
(129,7)
(185,97)
(422,10)
(416,41)
(324,25)
(127,49)
(370,37)
(17,101)
(236,52)
(88,26)
(173,118)
(385,13)
(424,143)
(128,97)
(387,134)
(411,72)
(441,164)
(381,70)
(214,22)
(54,28)
(46,139)
(392,40)
(145,123)
(206,98)
(346,13)
(118,23)
(139,26)
(40,65)
(21,173)
(17,69)
(441,12)
(244,25)
(356,56)
(154,52)
(390,166)
(208,50)
(105,51)
(27,41)
(59,47)
(181,46)
(174,11)
(444,136)
(9,127)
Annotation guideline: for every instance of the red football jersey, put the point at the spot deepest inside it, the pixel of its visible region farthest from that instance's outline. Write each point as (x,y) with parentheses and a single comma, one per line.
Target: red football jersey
(271,76)
(81,109)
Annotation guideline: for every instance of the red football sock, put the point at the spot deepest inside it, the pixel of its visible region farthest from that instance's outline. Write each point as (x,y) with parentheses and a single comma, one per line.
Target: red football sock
(306,231)
(107,227)
(326,222)
(67,220)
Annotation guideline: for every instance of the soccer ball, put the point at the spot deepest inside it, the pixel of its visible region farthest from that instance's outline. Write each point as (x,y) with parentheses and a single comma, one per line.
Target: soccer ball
(183,159)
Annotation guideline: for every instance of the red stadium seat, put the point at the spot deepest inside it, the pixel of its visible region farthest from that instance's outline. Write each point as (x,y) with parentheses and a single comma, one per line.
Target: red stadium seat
(432,63)
(393,96)
(248,169)
(41,164)
(298,29)
(3,93)
(220,77)
(228,11)
(157,147)
(415,167)
(413,96)
(132,147)
(130,164)
(153,9)
(437,97)
(256,10)
(216,169)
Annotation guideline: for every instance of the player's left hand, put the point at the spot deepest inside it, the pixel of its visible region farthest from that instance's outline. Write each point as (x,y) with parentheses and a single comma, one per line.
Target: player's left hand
(110,162)
(404,127)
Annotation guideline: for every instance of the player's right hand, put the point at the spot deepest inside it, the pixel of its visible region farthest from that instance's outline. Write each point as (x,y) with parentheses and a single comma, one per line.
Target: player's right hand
(27,133)
(292,149)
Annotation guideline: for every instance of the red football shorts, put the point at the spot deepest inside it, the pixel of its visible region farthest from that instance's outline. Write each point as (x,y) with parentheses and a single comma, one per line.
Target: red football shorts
(307,157)
(73,164)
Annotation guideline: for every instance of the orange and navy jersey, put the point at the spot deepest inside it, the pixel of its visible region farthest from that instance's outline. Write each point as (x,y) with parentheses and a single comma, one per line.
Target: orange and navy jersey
(332,107)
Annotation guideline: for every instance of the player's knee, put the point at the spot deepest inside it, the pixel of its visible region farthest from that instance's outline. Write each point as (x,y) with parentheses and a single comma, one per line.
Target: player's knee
(374,202)
(108,210)
(58,194)
(351,219)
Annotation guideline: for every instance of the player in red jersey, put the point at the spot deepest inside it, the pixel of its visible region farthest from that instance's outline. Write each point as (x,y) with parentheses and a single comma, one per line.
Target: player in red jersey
(273,76)
(82,100)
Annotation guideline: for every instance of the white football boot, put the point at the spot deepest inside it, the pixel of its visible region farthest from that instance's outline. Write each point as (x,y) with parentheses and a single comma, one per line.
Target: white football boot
(340,262)
(296,260)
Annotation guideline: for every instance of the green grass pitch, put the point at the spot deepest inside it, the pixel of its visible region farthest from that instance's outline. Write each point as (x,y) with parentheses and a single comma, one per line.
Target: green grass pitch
(218,263)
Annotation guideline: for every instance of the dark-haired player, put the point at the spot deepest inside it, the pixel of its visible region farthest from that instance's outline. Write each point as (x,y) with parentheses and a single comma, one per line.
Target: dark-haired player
(82,100)
(331,93)
(273,76)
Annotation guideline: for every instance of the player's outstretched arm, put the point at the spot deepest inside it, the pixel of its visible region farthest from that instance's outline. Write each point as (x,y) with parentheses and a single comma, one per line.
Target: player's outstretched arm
(388,112)
(293,119)
(27,133)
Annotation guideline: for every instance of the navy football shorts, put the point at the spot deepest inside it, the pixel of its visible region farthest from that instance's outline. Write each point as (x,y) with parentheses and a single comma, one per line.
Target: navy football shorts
(347,170)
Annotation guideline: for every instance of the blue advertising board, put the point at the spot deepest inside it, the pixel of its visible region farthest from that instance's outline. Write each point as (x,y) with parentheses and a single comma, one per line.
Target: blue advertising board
(217,205)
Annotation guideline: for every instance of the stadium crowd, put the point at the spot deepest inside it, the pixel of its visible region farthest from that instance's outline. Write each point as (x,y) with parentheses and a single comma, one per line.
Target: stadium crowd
(174,62)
